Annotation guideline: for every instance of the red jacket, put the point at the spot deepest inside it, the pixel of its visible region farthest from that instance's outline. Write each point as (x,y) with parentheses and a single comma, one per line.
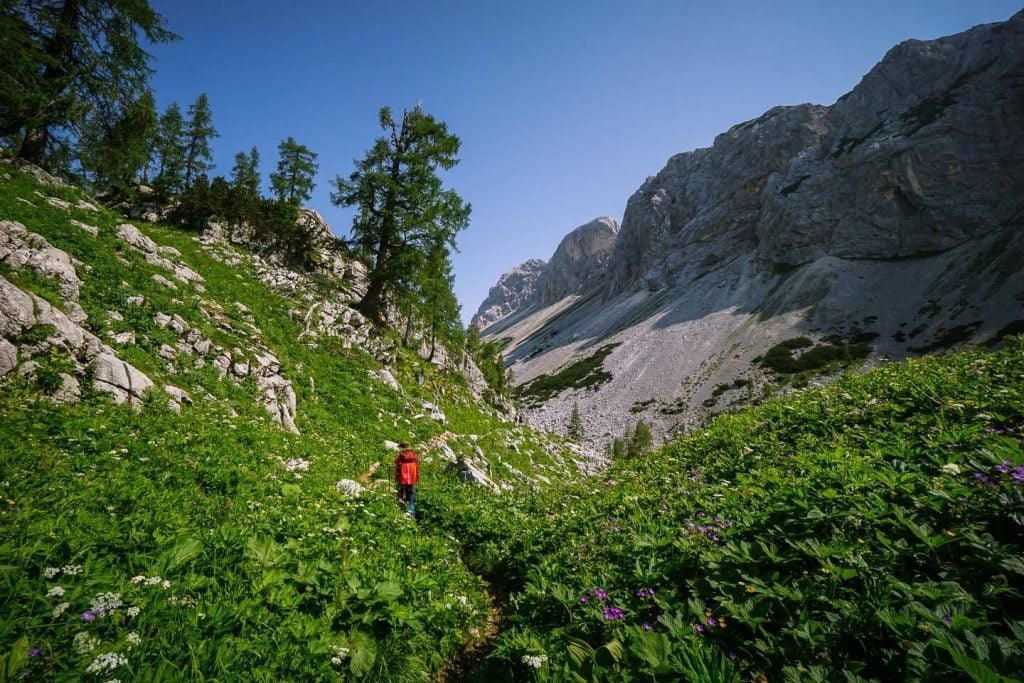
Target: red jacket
(407,468)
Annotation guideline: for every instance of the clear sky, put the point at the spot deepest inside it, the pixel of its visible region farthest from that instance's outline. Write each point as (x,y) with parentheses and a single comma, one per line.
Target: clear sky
(563,107)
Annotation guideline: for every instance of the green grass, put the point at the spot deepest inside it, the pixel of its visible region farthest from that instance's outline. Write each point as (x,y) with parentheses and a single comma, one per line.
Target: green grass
(585,373)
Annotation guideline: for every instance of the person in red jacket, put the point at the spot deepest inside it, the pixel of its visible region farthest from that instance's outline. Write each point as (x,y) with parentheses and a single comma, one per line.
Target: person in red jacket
(407,475)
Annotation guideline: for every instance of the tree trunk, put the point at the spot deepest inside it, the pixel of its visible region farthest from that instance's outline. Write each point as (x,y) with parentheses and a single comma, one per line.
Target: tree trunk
(55,80)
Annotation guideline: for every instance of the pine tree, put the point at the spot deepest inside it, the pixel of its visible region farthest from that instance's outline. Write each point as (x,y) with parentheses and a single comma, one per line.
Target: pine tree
(296,167)
(575,432)
(439,306)
(245,176)
(638,443)
(403,210)
(618,449)
(198,132)
(117,152)
(170,152)
(66,58)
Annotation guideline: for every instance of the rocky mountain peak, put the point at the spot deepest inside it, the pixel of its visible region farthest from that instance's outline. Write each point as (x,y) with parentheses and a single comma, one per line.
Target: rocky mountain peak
(580,260)
(513,290)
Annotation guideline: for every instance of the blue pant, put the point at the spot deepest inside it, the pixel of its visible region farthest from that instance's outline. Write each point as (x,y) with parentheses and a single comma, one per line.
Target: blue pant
(407,494)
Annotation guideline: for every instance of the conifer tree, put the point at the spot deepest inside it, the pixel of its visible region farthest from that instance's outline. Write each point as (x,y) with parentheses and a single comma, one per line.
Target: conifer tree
(575,432)
(245,176)
(118,152)
(296,167)
(170,152)
(638,442)
(65,58)
(199,131)
(438,305)
(403,210)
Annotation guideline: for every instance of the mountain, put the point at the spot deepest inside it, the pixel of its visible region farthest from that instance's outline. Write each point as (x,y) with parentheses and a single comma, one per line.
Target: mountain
(888,224)
(578,265)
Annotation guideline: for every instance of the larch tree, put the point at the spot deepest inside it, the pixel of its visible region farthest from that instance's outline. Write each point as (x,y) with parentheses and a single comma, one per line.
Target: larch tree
(66,60)
(118,152)
(296,168)
(403,210)
(245,175)
(199,131)
(170,151)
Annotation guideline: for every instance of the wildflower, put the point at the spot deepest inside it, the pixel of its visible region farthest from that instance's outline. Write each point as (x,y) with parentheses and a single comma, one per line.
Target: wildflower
(583,598)
(698,628)
(951,468)
(88,616)
(1018,474)
(108,661)
(947,618)
(55,592)
(1003,467)
(296,464)
(83,642)
(612,613)
(165,584)
(51,572)
(59,609)
(138,579)
(133,611)
(133,638)
(732,654)
(535,661)
(105,603)
(647,626)
(34,652)
(712,622)
(72,569)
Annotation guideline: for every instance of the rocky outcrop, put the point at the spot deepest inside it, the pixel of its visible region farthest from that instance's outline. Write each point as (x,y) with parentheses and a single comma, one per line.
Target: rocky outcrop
(21,249)
(579,262)
(578,265)
(514,289)
(894,216)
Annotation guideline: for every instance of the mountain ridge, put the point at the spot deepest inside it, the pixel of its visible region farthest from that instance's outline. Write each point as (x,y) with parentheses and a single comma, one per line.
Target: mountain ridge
(894,213)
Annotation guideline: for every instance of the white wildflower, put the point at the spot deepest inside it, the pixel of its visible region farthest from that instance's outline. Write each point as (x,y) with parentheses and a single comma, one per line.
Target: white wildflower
(336,661)
(84,642)
(133,611)
(59,609)
(51,572)
(55,592)
(951,468)
(462,599)
(133,638)
(108,661)
(138,579)
(72,569)
(536,661)
(153,581)
(342,652)
(165,584)
(104,603)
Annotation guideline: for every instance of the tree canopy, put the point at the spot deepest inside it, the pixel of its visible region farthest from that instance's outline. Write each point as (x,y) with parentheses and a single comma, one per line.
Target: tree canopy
(404,211)
(296,167)
(66,60)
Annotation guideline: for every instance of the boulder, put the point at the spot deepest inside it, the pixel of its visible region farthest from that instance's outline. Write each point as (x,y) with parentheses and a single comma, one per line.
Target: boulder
(121,380)
(20,248)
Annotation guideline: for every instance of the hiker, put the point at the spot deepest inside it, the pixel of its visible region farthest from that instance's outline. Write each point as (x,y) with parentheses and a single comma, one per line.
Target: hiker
(407,474)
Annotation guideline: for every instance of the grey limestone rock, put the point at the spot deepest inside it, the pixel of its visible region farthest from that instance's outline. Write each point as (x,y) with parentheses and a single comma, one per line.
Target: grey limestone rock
(579,262)
(514,289)
(20,248)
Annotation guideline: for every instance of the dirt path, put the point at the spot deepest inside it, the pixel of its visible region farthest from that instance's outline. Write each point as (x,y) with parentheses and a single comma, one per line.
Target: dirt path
(476,649)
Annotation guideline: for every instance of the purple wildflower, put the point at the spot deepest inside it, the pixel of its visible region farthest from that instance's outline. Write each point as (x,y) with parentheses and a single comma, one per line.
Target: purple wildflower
(647,626)
(712,622)
(698,628)
(1018,474)
(1004,467)
(34,652)
(88,616)
(732,654)
(612,613)
(583,598)
(947,618)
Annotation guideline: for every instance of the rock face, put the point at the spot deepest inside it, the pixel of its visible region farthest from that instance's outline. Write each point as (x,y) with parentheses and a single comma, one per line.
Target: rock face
(578,265)
(514,290)
(896,214)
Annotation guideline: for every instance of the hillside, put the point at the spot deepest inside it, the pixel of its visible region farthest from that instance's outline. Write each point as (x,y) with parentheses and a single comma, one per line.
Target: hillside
(196,454)
(868,531)
(886,225)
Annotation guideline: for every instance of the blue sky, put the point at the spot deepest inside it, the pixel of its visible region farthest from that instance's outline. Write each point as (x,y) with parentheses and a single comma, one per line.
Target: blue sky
(563,107)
